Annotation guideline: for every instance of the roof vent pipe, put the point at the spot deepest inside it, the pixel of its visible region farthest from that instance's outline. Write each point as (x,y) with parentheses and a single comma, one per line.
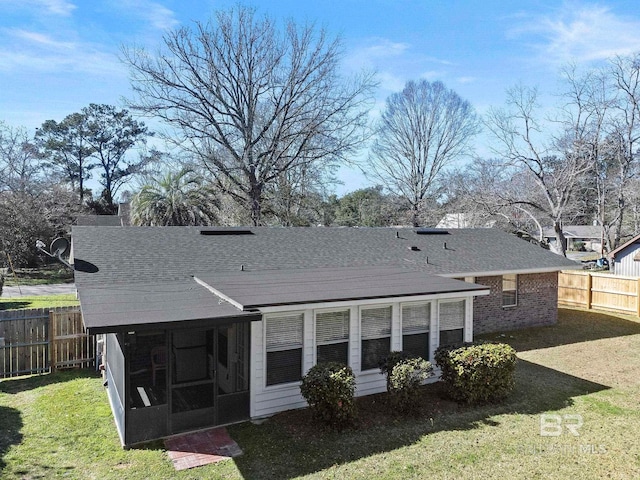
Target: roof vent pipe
(397,234)
(242,268)
(444,245)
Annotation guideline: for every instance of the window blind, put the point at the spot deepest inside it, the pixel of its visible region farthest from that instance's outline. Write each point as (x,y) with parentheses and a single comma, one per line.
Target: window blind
(332,326)
(416,318)
(284,332)
(451,315)
(376,322)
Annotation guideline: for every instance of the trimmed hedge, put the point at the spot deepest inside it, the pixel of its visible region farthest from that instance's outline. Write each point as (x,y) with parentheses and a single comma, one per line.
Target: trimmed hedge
(329,388)
(479,373)
(405,374)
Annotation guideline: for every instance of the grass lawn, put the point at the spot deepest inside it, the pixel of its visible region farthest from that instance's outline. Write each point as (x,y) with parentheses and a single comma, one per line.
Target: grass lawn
(46,275)
(61,425)
(41,301)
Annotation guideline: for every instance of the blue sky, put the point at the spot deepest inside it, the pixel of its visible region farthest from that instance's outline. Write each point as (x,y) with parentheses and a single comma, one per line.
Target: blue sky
(57,56)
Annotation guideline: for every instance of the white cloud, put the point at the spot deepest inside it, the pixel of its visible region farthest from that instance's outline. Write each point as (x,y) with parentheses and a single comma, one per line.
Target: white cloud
(432,75)
(40,39)
(374,52)
(51,7)
(158,16)
(24,50)
(391,82)
(579,33)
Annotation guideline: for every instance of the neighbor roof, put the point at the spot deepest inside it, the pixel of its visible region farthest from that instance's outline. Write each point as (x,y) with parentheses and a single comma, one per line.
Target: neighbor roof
(268,288)
(576,231)
(622,247)
(99,220)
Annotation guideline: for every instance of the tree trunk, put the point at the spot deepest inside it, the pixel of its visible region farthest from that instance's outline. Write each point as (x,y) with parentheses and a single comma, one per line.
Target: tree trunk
(415,215)
(255,197)
(561,241)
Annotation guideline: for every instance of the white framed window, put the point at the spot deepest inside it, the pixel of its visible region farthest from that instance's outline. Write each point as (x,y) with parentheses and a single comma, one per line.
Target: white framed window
(283,341)
(416,318)
(451,315)
(332,336)
(375,331)
(510,290)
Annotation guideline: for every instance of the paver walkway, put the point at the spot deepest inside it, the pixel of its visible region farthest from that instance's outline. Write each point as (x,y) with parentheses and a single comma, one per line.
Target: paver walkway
(37,290)
(201,448)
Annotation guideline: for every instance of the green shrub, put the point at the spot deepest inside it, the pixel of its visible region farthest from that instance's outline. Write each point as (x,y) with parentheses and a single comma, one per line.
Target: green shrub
(329,389)
(404,375)
(478,373)
(387,363)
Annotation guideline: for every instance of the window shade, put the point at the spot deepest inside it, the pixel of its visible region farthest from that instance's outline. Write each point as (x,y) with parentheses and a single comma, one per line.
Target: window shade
(451,315)
(416,318)
(284,332)
(376,322)
(332,326)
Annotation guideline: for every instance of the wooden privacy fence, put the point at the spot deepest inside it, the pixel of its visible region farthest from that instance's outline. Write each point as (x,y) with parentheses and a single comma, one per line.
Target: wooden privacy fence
(600,291)
(42,340)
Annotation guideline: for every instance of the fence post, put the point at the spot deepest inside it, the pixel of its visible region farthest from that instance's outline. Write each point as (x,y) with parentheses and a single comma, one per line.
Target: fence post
(52,339)
(589,293)
(638,297)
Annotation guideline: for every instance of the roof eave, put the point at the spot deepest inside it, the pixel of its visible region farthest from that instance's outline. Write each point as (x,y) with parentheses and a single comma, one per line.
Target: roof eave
(494,273)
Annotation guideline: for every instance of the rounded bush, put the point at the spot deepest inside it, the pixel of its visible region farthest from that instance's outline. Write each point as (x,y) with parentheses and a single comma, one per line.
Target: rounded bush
(478,373)
(405,374)
(329,388)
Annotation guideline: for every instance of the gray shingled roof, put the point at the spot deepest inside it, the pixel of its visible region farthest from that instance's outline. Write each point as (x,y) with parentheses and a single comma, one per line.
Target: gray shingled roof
(166,254)
(128,306)
(113,259)
(99,220)
(268,288)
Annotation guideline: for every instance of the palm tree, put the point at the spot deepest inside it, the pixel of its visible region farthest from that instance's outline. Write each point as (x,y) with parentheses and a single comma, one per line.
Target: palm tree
(175,199)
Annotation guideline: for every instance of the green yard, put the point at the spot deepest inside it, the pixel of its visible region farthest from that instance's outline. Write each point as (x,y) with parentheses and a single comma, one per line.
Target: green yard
(40,301)
(44,275)
(588,365)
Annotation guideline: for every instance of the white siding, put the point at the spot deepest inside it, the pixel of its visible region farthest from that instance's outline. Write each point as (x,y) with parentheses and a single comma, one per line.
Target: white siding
(625,265)
(266,401)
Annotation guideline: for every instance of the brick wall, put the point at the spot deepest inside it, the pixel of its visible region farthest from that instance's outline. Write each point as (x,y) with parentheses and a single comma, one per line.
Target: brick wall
(537,304)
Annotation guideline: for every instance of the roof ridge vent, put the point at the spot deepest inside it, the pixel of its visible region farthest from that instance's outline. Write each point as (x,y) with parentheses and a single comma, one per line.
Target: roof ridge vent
(225,231)
(431,231)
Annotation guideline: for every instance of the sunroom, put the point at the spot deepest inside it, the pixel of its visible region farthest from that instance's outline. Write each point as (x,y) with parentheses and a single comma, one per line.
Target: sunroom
(233,346)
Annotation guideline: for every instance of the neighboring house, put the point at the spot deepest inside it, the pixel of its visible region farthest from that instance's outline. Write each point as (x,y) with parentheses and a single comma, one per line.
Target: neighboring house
(99,221)
(464,220)
(626,258)
(589,235)
(122,219)
(208,326)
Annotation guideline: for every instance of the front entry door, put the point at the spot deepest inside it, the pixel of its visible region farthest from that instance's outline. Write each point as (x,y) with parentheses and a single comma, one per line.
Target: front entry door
(209,377)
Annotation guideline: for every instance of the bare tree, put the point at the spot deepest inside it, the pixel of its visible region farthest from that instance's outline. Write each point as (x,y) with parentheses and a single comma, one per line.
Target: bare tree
(556,164)
(20,169)
(32,206)
(423,129)
(250,101)
(619,165)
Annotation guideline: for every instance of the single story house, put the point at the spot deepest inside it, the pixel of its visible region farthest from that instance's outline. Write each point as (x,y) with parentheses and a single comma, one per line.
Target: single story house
(626,258)
(208,326)
(589,235)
